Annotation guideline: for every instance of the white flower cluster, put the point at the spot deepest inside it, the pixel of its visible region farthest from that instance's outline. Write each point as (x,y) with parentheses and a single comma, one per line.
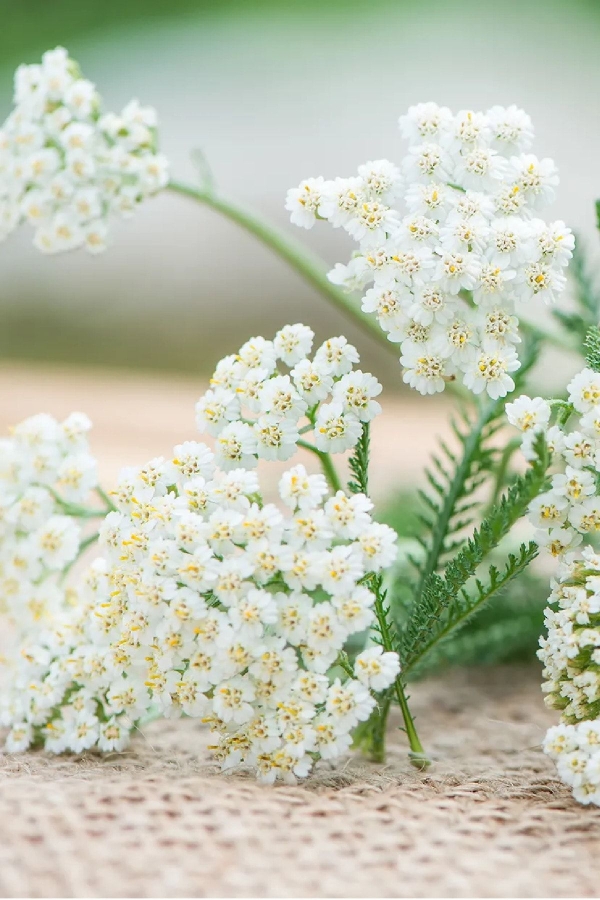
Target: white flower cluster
(566,516)
(571,651)
(576,751)
(570,510)
(65,166)
(448,271)
(46,473)
(209,602)
(571,657)
(255,410)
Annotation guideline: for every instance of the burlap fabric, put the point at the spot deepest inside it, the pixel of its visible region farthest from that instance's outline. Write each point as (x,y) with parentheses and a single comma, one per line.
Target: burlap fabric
(489,819)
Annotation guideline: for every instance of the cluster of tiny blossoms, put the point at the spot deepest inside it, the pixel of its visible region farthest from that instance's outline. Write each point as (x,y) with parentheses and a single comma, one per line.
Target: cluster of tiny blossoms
(65,166)
(450,269)
(46,474)
(567,516)
(209,602)
(255,409)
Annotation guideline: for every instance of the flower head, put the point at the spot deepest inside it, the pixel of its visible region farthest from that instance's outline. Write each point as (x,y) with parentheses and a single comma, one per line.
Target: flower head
(256,410)
(567,519)
(469,236)
(66,165)
(210,602)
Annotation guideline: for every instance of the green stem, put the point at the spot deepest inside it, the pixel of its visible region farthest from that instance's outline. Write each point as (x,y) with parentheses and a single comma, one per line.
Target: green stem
(300,259)
(87,542)
(110,506)
(501,470)
(417,754)
(369,736)
(418,757)
(326,464)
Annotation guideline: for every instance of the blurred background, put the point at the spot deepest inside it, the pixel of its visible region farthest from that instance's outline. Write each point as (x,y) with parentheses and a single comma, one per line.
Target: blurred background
(272,91)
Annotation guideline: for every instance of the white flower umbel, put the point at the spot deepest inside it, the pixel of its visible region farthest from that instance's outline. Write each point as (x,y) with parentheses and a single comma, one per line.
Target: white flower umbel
(47,477)
(265,400)
(449,269)
(211,603)
(66,165)
(567,522)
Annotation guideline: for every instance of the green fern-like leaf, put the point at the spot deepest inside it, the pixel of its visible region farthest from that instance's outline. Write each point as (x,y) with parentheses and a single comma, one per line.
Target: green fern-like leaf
(450,500)
(592,348)
(500,641)
(446,601)
(452,481)
(452,610)
(359,463)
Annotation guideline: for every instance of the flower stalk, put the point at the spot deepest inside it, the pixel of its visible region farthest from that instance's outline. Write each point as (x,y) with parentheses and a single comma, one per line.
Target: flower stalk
(298,257)
(419,759)
(327,464)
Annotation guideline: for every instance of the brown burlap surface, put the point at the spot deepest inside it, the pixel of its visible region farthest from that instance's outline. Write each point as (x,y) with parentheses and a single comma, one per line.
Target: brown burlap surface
(489,819)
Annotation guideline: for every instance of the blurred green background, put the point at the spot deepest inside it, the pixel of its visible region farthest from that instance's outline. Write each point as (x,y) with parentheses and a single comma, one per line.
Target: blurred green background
(272,92)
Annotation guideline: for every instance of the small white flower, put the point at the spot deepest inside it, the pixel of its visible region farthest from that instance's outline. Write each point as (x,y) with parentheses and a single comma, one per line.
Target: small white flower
(19,737)
(299,490)
(349,516)
(113,735)
(279,397)
(584,390)
(349,703)
(275,438)
(356,391)
(312,380)
(336,430)
(510,127)
(236,446)
(490,372)
(528,414)
(425,369)
(303,202)
(341,568)
(558,541)
(378,545)
(56,543)
(293,343)
(231,700)
(337,356)
(376,669)
(341,199)
(215,410)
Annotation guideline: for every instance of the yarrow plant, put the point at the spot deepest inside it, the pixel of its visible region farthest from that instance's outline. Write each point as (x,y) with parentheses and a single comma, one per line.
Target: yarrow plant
(450,241)
(291,627)
(567,518)
(66,165)
(210,602)
(256,410)
(49,500)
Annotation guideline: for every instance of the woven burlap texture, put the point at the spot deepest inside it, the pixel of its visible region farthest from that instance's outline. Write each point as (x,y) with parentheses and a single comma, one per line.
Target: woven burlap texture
(490,819)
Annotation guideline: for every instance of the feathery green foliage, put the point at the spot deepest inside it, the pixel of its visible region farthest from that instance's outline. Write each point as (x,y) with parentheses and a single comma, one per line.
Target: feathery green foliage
(450,502)
(449,610)
(511,634)
(453,480)
(592,348)
(359,463)
(448,601)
